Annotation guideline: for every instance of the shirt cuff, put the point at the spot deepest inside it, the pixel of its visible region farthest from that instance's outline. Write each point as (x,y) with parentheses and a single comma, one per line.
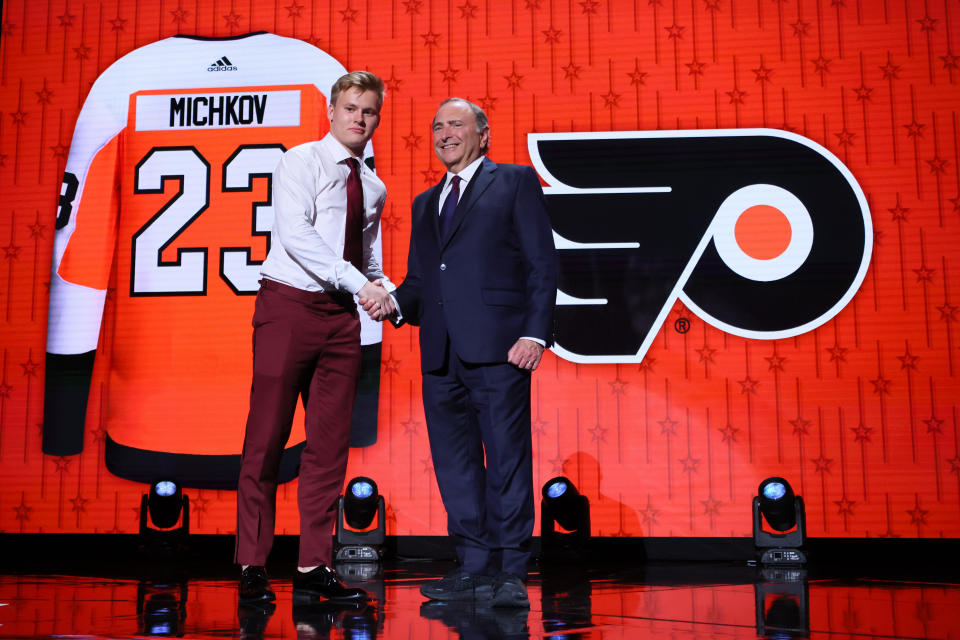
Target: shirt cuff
(540,342)
(398,314)
(352,281)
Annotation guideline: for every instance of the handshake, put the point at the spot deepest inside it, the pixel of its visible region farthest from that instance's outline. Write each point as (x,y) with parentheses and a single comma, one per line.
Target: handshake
(377,301)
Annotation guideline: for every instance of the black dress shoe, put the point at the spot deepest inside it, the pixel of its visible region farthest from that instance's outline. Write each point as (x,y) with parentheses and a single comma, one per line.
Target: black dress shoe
(459,585)
(254,586)
(509,591)
(323,583)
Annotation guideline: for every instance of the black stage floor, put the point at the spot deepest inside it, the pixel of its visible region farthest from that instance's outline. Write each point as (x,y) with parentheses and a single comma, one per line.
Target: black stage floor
(110,597)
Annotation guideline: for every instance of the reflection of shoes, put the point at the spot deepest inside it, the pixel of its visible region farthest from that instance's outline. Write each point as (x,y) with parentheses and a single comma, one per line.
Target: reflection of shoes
(314,619)
(459,585)
(254,586)
(323,584)
(317,619)
(510,622)
(459,615)
(446,612)
(509,591)
(253,618)
(360,621)
(478,619)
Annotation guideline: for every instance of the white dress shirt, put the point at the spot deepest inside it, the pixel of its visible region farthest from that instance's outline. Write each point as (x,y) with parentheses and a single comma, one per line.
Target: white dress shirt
(310,213)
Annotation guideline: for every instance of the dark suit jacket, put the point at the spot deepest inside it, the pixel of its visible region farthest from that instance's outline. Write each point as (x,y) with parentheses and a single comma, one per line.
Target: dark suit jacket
(493,279)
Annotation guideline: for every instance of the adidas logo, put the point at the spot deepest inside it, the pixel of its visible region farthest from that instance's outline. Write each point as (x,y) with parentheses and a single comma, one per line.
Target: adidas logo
(223,64)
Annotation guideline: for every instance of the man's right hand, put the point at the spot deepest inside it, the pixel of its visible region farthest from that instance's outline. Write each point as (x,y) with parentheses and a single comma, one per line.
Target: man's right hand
(376,301)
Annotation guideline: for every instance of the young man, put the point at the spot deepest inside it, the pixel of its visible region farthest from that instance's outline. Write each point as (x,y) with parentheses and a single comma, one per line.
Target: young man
(306,339)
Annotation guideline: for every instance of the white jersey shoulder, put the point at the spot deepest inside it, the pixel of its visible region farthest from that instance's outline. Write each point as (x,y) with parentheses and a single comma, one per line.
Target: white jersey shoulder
(177,64)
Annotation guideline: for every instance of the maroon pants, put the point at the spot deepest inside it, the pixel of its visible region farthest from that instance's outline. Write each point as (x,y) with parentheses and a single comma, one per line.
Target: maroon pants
(304,344)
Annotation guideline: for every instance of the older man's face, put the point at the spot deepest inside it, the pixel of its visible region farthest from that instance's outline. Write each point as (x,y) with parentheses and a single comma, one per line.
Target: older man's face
(455,136)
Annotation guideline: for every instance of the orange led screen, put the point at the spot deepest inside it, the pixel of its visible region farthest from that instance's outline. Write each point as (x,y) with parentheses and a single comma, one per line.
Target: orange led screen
(657,128)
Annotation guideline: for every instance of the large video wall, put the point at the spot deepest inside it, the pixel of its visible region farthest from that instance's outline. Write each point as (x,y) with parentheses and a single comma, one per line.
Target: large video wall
(756,206)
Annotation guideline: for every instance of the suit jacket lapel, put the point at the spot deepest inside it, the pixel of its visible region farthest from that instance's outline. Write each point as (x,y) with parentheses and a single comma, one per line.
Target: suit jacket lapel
(481,181)
(430,217)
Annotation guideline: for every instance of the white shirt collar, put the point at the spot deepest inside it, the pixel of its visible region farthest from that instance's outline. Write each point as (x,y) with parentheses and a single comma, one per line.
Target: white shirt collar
(337,150)
(466,174)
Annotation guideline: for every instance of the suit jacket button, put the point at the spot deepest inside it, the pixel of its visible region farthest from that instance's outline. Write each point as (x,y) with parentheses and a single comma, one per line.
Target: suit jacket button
(443,267)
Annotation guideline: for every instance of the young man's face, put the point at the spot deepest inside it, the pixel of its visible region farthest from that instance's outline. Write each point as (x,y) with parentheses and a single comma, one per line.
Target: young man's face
(354,118)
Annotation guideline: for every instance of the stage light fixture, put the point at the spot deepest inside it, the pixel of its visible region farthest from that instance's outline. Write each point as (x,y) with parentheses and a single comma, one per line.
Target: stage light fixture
(360,503)
(164,507)
(563,505)
(784,512)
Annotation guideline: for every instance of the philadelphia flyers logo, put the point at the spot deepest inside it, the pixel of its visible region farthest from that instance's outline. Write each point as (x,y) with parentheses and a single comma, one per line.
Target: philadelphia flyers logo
(761,233)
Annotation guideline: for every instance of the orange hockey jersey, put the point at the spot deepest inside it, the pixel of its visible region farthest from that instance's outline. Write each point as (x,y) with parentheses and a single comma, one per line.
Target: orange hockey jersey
(169,177)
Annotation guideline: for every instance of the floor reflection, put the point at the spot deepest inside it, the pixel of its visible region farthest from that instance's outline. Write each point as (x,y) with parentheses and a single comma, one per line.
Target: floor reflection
(162,607)
(472,621)
(654,601)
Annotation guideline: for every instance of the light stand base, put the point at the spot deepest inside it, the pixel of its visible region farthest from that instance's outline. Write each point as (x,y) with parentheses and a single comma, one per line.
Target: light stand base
(783,557)
(358,553)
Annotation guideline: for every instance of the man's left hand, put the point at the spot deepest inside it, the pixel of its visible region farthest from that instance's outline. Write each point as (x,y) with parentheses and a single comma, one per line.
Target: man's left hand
(525,354)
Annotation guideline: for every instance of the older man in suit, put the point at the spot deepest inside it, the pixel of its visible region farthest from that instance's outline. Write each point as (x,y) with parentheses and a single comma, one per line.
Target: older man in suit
(481,284)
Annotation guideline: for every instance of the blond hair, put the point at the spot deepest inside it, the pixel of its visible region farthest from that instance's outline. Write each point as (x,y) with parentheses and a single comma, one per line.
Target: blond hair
(362,80)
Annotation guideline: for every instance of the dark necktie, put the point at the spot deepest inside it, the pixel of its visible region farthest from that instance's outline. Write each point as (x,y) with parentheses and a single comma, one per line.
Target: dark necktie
(353,231)
(449,206)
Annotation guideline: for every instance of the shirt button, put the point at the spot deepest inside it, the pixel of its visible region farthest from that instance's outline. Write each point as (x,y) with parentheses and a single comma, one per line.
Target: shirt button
(443,267)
